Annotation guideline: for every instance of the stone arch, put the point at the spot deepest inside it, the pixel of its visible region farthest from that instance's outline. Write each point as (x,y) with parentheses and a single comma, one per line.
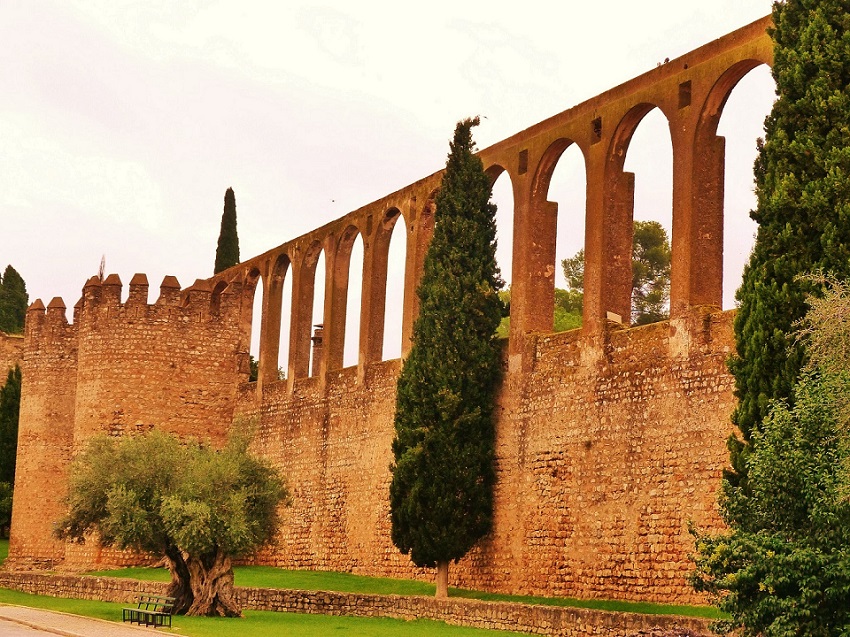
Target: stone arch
(542,198)
(505,218)
(615,259)
(650,158)
(717,97)
(741,124)
(303,289)
(708,180)
(548,163)
(337,305)
(253,310)
(373,321)
(272,318)
(419,230)
(394,239)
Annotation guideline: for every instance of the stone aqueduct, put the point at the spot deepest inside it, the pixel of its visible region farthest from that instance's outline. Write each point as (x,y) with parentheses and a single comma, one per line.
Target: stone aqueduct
(610,440)
(690,91)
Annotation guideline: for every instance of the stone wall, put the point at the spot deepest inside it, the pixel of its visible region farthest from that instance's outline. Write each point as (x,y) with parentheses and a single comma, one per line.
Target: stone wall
(606,450)
(11,352)
(540,620)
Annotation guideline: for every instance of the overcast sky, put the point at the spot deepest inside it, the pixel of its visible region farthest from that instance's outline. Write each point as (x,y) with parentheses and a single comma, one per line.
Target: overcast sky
(122,123)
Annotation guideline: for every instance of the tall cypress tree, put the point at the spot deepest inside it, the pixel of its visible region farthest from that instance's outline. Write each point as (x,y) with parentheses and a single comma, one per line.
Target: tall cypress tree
(441,495)
(10,404)
(13,302)
(227,252)
(802,177)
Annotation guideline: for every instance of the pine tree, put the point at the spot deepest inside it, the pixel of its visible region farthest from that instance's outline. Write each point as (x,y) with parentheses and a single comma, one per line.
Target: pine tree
(441,495)
(10,404)
(651,257)
(802,177)
(13,302)
(227,252)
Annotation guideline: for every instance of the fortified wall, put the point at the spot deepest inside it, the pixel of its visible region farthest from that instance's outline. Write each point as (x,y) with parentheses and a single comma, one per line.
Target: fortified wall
(120,367)
(610,439)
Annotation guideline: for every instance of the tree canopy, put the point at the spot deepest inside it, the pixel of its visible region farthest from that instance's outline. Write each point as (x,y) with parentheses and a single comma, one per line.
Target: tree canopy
(227,251)
(193,505)
(13,301)
(441,495)
(651,257)
(783,567)
(803,204)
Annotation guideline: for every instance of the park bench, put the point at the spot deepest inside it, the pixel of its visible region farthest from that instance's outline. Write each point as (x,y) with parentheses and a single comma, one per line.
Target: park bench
(151,610)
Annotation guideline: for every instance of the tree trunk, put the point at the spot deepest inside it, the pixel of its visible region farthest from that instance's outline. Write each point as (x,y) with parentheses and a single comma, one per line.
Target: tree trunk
(442,580)
(211,579)
(179,588)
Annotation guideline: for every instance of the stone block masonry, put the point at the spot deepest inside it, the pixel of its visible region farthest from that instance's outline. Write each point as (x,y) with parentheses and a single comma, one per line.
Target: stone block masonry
(606,451)
(11,352)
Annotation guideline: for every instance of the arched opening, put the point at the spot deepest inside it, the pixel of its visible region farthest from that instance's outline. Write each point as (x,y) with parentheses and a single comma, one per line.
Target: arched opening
(255,283)
(503,197)
(285,326)
(351,350)
(318,315)
(276,339)
(741,124)
(568,188)
(649,156)
(394,307)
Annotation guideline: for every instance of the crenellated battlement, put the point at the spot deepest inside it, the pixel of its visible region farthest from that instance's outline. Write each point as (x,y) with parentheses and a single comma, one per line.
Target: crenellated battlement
(101,301)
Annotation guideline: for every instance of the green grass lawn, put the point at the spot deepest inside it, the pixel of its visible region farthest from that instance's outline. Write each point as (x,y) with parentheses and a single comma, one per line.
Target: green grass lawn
(4,550)
(270,577)
(259,623)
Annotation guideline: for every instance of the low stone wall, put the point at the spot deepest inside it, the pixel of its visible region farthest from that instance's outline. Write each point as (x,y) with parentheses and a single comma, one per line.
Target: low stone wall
(540,620)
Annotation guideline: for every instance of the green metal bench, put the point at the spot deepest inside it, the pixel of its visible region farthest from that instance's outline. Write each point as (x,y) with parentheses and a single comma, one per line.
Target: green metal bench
(151,610)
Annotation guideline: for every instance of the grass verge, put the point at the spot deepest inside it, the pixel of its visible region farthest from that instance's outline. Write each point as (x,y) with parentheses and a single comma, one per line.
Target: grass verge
(259,623)
(270,577)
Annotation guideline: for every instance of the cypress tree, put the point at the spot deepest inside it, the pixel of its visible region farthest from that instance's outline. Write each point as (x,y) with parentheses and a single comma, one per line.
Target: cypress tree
(227,252)
(13,302)
(10,404)
(802,178)
(441,495)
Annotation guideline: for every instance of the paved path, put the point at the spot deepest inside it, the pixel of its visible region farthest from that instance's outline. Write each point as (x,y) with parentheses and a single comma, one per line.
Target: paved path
(20,621)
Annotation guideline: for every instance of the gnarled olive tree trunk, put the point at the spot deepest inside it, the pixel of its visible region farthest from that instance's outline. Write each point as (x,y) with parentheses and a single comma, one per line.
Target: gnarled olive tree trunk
(179,588)
(201,585)
(211,581)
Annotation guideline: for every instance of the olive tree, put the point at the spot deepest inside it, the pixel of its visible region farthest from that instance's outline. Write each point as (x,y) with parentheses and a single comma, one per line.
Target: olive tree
(195,506)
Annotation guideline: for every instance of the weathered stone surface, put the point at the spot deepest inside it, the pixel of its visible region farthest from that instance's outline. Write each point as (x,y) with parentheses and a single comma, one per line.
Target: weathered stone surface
(11,352)
(600,466)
